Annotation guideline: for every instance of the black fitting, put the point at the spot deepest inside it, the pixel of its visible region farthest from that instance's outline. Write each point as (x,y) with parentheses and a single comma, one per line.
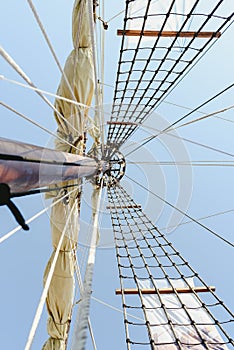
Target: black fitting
(5,199)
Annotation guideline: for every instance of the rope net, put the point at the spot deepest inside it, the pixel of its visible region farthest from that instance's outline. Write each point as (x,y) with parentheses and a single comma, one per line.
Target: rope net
(171,306)
(152,62)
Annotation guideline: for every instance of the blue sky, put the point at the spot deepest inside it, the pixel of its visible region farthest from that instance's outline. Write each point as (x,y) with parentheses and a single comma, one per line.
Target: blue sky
(24,256)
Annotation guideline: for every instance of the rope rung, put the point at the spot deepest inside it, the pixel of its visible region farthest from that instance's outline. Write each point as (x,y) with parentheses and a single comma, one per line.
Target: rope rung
(165,290)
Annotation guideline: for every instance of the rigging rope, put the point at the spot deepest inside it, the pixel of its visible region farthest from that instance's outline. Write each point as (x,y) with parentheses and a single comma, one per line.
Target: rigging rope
(169,320)
(195,163)
(12,232)
(36,15)
(114,308)
(200,106)
(47,285)
(102,72)
(58,97)
(168,128)
(204,117)
(182,212)
(187,140)
(83,314)
(97,91)
(128,106)
(121,12)
(199,219)
(189,108)
(13,64)
(38,125)
(80,283)
(198,60)
(145,255)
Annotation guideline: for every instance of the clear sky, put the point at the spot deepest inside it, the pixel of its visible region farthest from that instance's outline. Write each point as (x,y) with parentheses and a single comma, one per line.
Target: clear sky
(24,256)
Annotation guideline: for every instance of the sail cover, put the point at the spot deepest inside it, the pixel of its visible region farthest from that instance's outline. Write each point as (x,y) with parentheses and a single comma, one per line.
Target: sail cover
(77,82)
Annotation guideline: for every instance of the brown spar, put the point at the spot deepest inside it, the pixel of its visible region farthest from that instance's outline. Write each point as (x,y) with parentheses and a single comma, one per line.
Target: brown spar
(165,290)
(155,33)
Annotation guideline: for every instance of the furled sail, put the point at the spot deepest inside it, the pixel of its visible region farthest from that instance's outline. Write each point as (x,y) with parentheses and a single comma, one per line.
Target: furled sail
(77,82)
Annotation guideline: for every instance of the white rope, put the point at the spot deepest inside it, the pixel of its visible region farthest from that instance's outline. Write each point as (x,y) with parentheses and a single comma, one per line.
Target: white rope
(78,273)
(199,219)
(76,44)
(120,13)
(83,314)
(85,251)
(178,105)
(103,32)
(171,135)
(132,13)
(85,246)
(225,119)
(37,124)
(192,121)
(115,308)
(16,229)
(111,86)
(79,279)
(198,111)
(97,92)
(192,163)
(79,104)
(204,117)
(17,68)
(80,283)
(47,285)
(115,16)
(71,88)
(35,13)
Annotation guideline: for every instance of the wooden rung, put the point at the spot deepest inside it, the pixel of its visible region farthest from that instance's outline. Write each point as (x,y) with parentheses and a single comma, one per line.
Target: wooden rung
(123,206)
(135,32)
(121,123)
(166,290)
